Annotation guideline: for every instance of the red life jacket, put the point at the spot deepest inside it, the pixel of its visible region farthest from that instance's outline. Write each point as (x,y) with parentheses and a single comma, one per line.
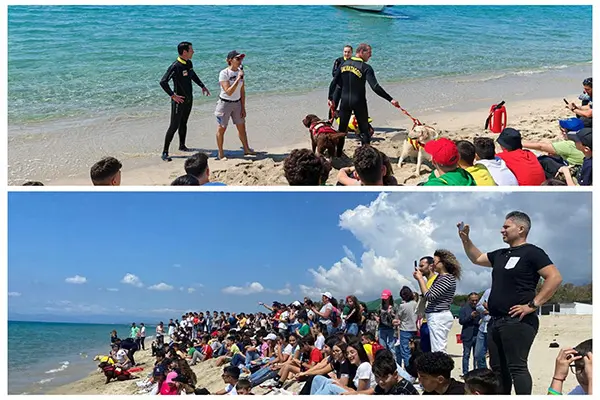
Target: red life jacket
(319,128)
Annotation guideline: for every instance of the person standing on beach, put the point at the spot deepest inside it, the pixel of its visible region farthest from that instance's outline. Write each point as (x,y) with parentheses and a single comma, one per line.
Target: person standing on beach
(469,319)
(337,94)
(352,77)
(513,301)
(182,73)
(160,333)
(232,102)
(426,268)
(142,336)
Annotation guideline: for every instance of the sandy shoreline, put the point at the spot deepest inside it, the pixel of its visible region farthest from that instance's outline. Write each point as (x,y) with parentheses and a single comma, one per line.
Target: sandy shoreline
(567,330)
(537,120)
(62,153)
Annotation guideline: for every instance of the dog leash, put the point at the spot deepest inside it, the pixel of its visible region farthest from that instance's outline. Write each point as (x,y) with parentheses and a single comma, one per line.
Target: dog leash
(415,121)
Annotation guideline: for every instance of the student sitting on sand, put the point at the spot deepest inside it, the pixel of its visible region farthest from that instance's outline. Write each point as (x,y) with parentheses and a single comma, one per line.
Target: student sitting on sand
(309,356)
(389,382)
(479,172)
(186,180)
(230,377)
(585,111)
(578,360)
(371,168)
(481,381)
(523,163)
(232,350)
(243,387)
(485,154)
(106,172)
(335,366)
(445,158)
(363,382)
(583,142)
(565,149)
(197,166)
(434,371)
(304,168)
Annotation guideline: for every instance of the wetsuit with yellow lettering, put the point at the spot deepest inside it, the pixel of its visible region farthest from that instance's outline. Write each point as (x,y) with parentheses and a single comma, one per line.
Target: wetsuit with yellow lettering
(337,94)
(352,77)
(182,74)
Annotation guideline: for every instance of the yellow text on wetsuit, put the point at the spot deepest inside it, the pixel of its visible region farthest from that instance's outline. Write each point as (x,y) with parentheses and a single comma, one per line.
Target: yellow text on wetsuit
(353,69)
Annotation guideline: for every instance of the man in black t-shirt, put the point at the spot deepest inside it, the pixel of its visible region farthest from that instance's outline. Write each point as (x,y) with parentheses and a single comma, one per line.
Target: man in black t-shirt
(513,302)
(434,370)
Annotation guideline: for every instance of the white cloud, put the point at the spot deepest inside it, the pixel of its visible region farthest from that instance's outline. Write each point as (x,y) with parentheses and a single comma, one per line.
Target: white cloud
(169,311)
(14,294)
(398,228)
(130,279)
(161,287)
(251,288)
(112,289)
(284,292)
(349,253)
(77,280)
(68,307)
(191,290)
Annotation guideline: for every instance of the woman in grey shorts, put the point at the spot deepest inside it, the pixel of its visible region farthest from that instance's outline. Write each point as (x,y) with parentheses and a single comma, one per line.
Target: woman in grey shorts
(232,102)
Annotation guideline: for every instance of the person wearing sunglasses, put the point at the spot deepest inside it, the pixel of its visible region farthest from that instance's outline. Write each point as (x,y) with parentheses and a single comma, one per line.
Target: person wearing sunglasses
(578,361)
(584,112)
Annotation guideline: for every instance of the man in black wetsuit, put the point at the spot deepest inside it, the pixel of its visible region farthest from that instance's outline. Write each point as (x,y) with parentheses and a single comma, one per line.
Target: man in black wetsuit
(337,94)
(182,73)
(352,77)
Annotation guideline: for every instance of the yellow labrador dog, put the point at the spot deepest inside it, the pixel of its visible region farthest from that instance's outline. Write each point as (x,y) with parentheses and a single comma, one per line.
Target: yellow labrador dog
(415,145)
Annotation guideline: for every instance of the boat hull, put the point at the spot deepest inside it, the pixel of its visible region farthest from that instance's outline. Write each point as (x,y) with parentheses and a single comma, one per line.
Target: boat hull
(373,8)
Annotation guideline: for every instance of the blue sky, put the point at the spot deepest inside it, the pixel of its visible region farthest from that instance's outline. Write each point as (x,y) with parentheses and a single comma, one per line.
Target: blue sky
(159,254)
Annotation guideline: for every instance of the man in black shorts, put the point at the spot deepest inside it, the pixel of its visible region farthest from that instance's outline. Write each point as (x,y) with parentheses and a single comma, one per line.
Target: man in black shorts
(182,73)
(352,77)
(513,302)
(337,94)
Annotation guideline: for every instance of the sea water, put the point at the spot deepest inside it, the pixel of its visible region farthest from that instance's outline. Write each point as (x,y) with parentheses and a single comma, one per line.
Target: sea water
(78,62)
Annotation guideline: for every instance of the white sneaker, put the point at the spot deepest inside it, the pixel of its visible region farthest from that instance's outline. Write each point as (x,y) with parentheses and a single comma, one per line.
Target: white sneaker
(268,383)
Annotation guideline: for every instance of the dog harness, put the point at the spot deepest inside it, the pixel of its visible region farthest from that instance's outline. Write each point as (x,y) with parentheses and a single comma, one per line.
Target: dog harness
(320,128)
(415,143)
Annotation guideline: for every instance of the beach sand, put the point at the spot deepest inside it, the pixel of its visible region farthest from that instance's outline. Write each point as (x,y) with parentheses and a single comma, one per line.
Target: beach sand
(537,120)
(567,330)
(61,153)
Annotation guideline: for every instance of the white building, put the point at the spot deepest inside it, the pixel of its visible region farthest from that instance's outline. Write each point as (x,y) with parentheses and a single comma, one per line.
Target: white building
(574,309)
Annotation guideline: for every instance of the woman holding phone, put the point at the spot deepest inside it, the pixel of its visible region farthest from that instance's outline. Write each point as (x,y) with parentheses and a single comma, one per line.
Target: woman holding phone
(439,297)
(232,102)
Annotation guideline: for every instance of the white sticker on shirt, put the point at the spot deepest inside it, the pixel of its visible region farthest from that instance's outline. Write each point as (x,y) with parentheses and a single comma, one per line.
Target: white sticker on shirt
(512,262)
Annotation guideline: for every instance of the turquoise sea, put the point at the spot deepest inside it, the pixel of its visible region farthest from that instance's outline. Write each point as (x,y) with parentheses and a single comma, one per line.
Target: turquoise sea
(44,355)
(85,61)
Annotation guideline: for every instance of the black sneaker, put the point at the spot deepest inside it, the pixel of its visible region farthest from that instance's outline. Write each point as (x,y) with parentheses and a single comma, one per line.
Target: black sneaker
(165,157)
(183,148)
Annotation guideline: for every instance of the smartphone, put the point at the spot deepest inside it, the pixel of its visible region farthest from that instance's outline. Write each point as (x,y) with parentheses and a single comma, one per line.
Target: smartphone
(416,265)
(566,102)
(461,226)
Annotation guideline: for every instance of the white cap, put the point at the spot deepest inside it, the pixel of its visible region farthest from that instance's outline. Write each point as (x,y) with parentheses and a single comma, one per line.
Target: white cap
(271,336)
(297,303)
(327,294)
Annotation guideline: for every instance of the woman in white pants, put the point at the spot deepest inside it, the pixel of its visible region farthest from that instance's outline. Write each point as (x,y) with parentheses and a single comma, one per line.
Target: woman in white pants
(439,297)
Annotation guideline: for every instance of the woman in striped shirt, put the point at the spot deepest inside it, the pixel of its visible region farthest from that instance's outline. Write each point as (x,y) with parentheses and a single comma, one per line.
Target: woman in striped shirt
(439,297)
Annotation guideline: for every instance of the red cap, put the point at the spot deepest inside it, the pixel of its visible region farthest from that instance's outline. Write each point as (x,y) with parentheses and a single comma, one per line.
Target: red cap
(386,294)
(443,151)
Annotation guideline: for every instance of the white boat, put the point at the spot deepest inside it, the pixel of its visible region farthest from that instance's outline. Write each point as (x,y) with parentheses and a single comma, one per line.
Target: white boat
(371,8)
